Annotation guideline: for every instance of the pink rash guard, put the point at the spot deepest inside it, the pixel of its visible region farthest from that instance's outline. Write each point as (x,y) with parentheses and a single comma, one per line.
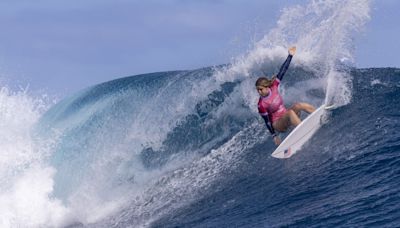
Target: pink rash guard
(272,105)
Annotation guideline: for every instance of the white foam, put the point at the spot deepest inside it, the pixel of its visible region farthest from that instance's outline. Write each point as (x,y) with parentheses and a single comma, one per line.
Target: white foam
(25,179)
(28,202)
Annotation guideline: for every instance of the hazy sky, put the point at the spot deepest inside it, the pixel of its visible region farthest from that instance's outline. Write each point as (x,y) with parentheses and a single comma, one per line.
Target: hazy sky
(60,47)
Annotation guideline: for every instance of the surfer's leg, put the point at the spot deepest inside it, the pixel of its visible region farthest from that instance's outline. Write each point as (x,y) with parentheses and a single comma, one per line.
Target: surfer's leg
(290,118)
(298,107)
(293,117)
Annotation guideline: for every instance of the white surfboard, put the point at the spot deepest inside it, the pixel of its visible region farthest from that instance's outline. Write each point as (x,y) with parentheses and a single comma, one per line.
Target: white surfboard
(301,134)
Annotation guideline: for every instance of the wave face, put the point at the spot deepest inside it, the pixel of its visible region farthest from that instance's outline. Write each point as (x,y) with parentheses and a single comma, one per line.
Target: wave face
(347,174)
(188,148)
(219,173)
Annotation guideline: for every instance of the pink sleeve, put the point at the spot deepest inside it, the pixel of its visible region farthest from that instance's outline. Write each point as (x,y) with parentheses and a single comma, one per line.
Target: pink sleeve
(276,82)
(262,110)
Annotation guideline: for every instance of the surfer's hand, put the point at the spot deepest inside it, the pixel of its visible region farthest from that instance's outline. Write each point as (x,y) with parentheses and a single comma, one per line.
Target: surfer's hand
(277,140)
(292,50)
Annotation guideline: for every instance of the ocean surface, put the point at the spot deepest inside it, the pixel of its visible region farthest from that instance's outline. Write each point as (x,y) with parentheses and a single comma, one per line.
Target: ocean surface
(188,148)
(221,172)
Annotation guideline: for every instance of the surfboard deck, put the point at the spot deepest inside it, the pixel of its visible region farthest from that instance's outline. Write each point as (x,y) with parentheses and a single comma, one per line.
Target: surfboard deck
(301,134)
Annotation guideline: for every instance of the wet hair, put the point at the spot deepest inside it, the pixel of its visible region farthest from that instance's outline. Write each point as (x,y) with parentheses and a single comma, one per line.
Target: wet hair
(264,81)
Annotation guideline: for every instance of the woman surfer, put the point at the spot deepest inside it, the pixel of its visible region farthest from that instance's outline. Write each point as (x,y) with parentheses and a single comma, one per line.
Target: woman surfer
(270,104)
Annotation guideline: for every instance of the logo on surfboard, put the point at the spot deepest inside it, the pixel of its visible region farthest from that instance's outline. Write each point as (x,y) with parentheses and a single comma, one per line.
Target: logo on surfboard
(287,152)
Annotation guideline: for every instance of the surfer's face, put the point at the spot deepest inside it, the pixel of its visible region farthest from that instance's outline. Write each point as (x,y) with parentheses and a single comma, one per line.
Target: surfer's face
(262,90)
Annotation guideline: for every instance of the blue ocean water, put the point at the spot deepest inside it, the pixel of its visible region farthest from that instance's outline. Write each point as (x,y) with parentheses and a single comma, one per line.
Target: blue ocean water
(346,176)
(214,167)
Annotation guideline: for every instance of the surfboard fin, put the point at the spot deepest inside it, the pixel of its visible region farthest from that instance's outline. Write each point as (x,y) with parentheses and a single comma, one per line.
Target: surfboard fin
(330,107)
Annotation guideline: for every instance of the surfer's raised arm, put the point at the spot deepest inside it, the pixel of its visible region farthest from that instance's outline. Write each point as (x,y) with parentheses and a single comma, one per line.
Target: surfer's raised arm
(286,64)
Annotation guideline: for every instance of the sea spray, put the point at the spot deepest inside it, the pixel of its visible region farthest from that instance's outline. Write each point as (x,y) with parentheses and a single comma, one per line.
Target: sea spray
(116,137)
(26,181)
(323,32)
